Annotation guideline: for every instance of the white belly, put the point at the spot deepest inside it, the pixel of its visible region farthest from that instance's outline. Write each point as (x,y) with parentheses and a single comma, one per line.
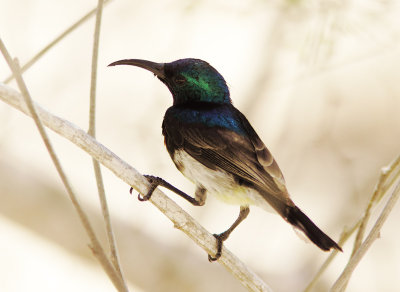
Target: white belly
(218,182)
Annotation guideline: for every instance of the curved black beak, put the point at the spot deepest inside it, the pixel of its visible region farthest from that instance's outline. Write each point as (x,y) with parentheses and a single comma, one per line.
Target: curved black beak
(156,68)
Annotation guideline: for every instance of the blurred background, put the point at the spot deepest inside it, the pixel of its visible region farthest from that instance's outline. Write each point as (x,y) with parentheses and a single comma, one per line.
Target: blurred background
(319,81)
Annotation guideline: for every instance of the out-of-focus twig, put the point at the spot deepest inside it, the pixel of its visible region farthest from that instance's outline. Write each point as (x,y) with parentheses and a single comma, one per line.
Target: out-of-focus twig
(388,177)
(30,107)
(43,51)
(394,170)
(131,176)
(347,232)
(92,132)
(386,180)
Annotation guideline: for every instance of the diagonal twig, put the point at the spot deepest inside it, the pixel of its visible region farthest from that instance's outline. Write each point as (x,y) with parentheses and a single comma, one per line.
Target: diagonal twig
(131,176)
(386,180)
(43,51)
(30,107)
(344,277)
(388,177)
(347,232)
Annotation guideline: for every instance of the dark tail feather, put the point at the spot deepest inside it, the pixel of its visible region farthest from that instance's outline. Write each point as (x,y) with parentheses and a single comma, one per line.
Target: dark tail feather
(298,219)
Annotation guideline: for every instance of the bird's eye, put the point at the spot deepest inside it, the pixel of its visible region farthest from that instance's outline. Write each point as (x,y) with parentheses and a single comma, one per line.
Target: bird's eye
(180,80)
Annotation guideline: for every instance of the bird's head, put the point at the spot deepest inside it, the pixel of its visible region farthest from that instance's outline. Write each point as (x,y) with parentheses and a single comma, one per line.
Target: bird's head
(189,80)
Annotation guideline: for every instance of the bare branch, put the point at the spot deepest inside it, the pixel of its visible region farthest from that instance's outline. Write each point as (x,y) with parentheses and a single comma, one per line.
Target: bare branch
(30,107)
(93,79)
(43,51)
(389,175)
(343,279)
(92,132)
(385,182)
(347,232)
(131,176)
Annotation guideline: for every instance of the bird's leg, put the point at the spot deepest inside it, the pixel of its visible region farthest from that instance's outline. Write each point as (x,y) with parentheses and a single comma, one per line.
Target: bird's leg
(244,211)
(157,181)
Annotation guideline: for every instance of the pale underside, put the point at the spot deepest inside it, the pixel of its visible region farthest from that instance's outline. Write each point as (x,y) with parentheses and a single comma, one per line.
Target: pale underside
(218,183)
(222,185)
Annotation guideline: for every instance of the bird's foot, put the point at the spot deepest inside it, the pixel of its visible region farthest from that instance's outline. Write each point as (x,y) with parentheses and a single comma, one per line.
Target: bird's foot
(154,183)
(220,239)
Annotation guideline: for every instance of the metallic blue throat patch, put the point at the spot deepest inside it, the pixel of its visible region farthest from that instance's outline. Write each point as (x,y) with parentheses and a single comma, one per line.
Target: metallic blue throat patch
(219,116)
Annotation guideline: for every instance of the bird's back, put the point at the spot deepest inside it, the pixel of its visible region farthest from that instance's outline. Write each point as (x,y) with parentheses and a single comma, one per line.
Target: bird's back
(219,136)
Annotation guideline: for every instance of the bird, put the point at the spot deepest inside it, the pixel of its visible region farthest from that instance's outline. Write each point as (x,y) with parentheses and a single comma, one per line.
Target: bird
(214,145)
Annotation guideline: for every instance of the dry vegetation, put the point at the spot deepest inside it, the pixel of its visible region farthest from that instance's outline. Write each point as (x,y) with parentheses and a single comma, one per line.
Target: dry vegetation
(351,132)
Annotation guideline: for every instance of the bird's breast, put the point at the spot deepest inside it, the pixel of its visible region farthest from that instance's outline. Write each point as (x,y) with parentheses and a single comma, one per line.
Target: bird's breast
(217,182)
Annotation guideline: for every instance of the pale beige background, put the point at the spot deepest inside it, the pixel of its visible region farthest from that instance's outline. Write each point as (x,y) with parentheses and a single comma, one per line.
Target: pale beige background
(319,80)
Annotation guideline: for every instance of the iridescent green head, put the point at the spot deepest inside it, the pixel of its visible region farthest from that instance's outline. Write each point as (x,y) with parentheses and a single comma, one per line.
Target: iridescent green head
(189,80)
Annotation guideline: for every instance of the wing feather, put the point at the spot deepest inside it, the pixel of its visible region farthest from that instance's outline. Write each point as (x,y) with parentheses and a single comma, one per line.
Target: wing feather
(243,155)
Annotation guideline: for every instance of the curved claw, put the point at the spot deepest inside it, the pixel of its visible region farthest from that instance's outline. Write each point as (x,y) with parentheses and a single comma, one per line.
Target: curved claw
(220,239)
(153,185)
(213,259)
(144,198)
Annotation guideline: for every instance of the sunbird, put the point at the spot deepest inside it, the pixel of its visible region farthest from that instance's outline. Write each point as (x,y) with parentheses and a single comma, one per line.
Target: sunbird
(214,146)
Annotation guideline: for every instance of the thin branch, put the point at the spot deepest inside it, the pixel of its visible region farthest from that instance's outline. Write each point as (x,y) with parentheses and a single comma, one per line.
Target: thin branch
(131,176)
(35,58)
(388,177)
(343,279)
(92,132)
(385,182)
(30,107)
(347,232)
(93,79)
